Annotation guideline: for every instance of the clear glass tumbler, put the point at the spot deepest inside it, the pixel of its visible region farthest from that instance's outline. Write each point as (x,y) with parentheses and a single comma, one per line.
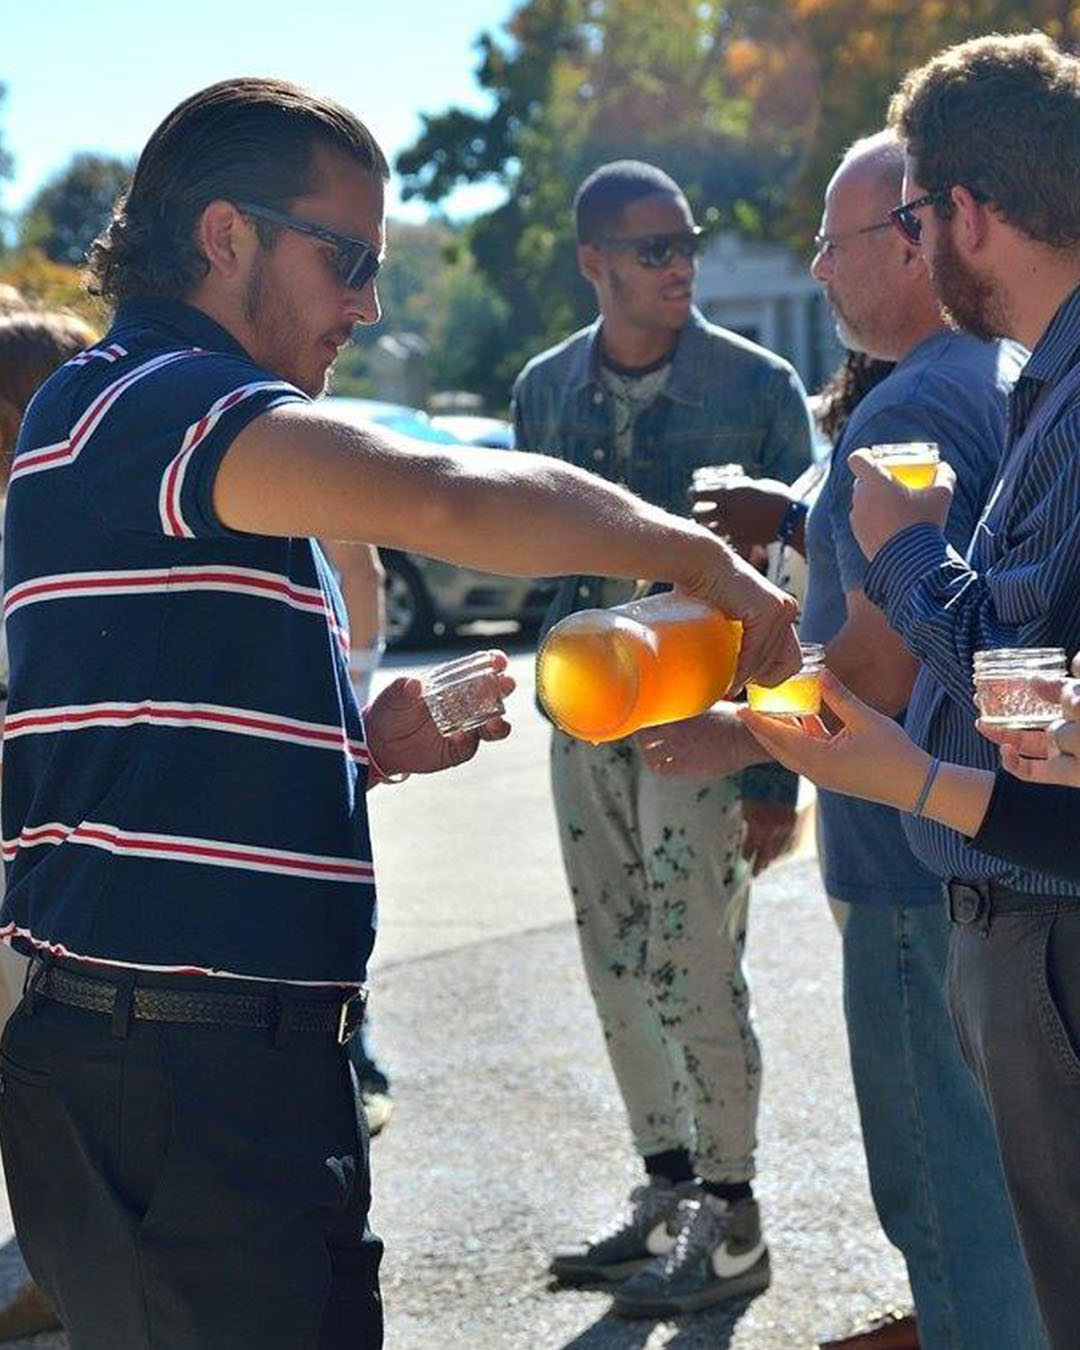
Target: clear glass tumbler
(797,696)
(913,463)
(709,477)
(1003,689)
(463,694)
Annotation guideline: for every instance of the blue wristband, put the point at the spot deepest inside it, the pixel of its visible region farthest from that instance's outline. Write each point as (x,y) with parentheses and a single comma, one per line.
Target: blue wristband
(931,778)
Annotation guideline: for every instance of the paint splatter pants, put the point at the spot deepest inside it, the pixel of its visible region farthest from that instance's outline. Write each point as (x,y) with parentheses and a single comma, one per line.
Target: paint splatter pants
(660,891)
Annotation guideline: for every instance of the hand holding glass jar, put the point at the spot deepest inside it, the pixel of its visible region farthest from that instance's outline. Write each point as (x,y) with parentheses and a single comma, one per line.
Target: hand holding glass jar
(1049,752)
(882,505)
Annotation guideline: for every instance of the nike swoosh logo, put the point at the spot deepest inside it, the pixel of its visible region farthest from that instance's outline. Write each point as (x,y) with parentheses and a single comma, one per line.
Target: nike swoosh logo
(727,1266)
(659,1241)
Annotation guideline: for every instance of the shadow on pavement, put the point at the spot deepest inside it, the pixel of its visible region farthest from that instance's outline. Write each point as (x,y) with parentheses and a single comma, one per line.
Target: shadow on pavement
(712,1329)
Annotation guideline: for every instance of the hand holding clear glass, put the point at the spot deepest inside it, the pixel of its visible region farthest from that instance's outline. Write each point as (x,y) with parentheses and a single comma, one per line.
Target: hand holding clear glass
(462,695)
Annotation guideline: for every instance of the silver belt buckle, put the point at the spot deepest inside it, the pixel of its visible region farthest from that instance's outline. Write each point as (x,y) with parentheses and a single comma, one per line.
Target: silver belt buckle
(345,1031)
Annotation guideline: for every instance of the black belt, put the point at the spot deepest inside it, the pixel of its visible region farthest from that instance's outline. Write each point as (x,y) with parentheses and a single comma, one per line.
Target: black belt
(979,901)
(267,1012)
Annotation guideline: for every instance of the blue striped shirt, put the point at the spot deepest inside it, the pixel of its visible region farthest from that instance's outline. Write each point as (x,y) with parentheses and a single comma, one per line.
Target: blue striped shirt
(1018,586)
(184,761)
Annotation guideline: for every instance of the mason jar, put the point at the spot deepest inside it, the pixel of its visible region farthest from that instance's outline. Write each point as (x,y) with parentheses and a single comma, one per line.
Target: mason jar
(1004,693)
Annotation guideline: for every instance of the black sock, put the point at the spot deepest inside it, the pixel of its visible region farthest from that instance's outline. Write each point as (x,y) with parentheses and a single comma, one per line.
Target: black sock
(673,1163)
(731,1191)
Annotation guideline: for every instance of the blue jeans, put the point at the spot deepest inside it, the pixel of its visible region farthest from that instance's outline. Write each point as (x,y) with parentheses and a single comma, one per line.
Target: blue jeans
(935,1172)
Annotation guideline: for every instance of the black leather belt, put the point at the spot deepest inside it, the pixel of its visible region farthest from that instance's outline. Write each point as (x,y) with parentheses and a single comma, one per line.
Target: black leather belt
(202,1007)
(979,901)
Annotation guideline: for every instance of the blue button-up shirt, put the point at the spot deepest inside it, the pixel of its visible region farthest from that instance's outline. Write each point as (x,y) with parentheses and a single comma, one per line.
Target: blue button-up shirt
(951,389)
(726,400)
(1017,586)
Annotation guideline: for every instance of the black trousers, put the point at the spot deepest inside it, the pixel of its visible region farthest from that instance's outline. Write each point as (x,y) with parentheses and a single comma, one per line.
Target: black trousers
(1014,988)
(189,1188)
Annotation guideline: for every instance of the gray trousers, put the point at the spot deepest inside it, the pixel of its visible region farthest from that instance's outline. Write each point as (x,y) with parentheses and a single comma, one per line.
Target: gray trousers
(1014,989)
(660,890)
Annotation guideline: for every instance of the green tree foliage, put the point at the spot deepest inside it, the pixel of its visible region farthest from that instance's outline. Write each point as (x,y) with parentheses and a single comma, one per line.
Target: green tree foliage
(67,214)
(747,103)
(51,284)
(431,286)
(580,82)
(856,52)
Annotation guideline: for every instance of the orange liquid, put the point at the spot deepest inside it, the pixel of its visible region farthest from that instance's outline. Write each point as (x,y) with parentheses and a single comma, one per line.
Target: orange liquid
(603,674)
(797,697)
(914,475)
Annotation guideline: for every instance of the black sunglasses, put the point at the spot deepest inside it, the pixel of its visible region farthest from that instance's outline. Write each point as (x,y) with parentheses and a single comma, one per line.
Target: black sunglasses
(910,225)
(660,250)
(355,261)
(905,219)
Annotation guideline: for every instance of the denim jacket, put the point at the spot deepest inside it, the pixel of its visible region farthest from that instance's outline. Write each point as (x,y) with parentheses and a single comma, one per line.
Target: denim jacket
(726,400)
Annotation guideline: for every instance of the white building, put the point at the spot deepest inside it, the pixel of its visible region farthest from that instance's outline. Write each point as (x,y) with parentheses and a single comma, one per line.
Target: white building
(766,293)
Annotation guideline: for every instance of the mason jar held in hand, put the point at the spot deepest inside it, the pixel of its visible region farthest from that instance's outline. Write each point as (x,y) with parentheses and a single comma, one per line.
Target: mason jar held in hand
(913,463)
(797,696)
(1004,692)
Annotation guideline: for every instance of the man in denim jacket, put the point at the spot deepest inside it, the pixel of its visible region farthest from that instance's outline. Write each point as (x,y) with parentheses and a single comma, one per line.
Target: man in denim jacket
(659,868)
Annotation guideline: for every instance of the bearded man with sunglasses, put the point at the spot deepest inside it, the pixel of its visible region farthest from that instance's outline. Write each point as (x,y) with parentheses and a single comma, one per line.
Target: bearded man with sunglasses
(656,868)
(184,802)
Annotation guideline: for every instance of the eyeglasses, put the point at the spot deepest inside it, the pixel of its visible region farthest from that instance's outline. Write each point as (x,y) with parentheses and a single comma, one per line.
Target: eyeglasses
(660,250)
(355,261)
(905,219)
(826,243)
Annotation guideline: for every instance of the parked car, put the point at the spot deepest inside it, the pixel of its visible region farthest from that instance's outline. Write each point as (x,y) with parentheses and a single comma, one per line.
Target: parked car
(423,595)
(475,430)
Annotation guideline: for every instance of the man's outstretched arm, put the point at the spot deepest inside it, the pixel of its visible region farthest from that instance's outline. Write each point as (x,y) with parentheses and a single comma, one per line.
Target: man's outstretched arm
(294,471)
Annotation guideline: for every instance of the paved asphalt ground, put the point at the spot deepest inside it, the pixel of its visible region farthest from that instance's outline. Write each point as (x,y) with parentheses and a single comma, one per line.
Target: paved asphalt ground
(509,1136)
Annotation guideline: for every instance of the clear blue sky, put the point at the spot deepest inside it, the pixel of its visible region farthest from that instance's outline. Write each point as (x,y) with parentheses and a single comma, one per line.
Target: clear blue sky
(101,75)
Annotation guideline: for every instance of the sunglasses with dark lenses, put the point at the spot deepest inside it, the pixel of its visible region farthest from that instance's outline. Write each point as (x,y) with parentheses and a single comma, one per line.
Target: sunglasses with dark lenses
(905,219)
(660,250)
(355,261)
(910,225)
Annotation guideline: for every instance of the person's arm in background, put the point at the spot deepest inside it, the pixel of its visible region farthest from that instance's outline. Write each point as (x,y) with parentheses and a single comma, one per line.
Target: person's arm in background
(748,512)
(768,791)
(362,578)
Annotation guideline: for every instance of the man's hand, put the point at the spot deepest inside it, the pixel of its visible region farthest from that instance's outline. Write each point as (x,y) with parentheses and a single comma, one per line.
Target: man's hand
(747,511)
(712,745)
(882,507)
(402,738)
(770,828)
(770,647)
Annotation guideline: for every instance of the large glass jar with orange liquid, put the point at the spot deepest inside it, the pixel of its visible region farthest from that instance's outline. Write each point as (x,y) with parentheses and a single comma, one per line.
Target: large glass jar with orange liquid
(602,674)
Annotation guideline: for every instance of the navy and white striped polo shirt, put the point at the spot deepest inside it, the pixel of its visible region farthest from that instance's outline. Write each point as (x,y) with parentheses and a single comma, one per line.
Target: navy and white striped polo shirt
(184,761)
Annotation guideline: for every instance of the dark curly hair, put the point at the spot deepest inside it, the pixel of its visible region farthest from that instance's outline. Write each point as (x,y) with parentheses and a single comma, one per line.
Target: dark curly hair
(998,115)
(845,389)
(247,139)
